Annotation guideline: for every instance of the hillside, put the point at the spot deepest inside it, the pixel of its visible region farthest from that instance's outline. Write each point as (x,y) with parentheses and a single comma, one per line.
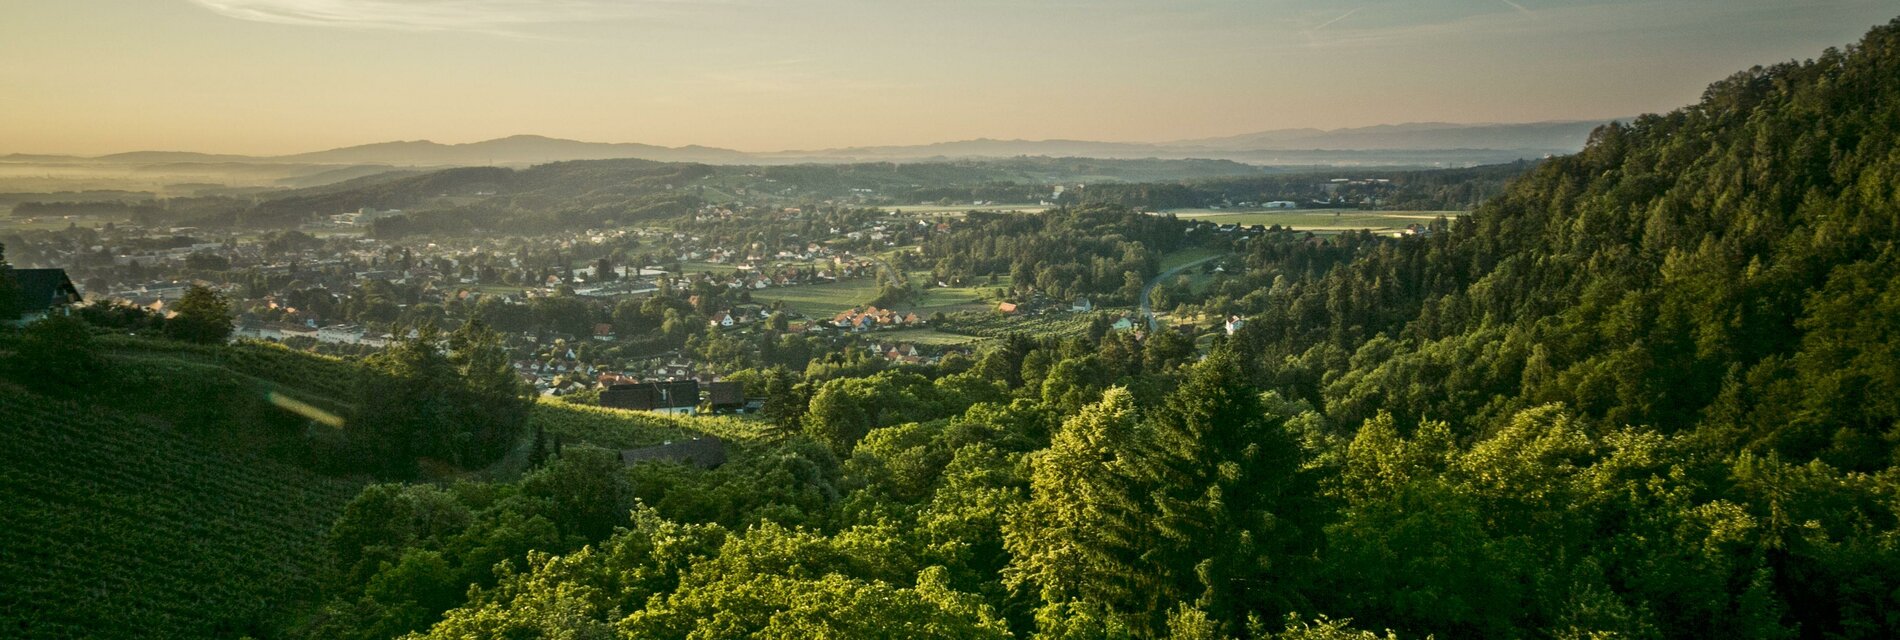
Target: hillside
(1692,268)
(120,515)
(181,503)
(1645,391)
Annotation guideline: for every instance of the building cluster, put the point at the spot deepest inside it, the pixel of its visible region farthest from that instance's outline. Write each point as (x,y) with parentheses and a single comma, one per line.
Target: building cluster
(872,318)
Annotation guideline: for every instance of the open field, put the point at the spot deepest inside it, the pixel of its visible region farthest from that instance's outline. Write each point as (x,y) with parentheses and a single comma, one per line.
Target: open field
(821,300)
(938,209)
(925,337)
(44,223)
(1186,256)
(1317,220)
(953,299)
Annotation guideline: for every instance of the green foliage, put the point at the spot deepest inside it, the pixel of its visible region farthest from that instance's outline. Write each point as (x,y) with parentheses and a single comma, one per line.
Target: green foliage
(202,316)
(452,401)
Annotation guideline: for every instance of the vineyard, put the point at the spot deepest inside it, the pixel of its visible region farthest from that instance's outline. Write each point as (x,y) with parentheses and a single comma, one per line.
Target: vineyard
(624,429)
(119,527)
(990,324)
(269,362)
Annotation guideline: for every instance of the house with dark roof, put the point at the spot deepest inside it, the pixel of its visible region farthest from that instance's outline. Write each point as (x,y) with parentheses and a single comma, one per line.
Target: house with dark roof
(43,292)
(705,452)
(681,396)
(726,396)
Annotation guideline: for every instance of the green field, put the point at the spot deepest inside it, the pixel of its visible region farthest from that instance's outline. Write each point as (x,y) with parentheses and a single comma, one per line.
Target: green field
(50,223)
(1317,220)
(926,337)
(822,300)
(937,209)
(1186,256)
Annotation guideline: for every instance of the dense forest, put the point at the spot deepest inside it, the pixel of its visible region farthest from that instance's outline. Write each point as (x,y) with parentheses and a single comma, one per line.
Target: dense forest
(1647,391)
(1091,250)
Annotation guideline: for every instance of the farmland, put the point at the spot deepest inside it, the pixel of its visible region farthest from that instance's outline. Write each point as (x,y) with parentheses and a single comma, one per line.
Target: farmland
(953,209)
(822,300)
(1318,220)
(119,522)
(927,337)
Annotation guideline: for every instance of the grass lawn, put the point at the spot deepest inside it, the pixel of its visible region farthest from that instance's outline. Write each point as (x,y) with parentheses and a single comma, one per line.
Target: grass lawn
(1317,220)
(821,300)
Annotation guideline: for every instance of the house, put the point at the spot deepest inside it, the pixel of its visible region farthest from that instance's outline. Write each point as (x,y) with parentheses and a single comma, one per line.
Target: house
(1282,204)
(722,319)
(1123,323)
(43,292)
(604,332)
(678,397)
(1082,305)
(726,396)
(705,452)
(1234,323)
(1006,308)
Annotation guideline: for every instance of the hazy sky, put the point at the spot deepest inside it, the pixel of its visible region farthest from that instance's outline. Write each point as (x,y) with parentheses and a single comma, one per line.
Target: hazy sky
(279,76)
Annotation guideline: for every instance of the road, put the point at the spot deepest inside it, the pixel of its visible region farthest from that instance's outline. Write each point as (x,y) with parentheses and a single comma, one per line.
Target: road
(1147,309)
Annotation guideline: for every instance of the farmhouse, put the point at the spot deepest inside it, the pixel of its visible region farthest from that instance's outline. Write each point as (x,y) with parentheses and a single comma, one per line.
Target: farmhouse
(679,397)
(43,292)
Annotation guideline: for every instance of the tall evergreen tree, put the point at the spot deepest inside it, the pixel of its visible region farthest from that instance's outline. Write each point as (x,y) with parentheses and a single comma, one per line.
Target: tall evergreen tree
(1220,469)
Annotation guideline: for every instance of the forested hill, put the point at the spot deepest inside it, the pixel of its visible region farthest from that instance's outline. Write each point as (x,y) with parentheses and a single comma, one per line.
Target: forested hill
(1730,265)
(1649,391)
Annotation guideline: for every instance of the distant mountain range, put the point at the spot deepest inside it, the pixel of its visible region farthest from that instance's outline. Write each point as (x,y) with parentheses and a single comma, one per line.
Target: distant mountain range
(1418,143)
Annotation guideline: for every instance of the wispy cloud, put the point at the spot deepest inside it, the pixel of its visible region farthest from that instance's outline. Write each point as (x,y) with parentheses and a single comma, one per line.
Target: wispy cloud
(1329,23)
(1520,8)
(504,17)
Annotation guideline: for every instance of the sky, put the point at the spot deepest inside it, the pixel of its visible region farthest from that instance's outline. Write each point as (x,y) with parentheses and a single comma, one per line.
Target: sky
(285,76)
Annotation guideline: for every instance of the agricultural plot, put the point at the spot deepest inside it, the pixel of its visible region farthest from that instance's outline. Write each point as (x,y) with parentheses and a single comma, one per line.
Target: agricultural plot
(1318,220)
(822,300)
(926,337)
(121,527)
(990,324)
(954,210)
(624,429)
(954,299)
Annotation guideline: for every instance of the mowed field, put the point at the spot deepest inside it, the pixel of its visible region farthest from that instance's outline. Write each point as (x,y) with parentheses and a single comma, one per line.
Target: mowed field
(1318,220)
(822,300)
(953,299)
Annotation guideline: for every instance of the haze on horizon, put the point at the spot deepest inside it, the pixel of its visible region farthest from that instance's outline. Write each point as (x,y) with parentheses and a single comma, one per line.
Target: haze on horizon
(286,76)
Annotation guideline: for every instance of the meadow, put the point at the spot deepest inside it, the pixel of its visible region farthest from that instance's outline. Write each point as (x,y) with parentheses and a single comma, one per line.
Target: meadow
(822,300)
